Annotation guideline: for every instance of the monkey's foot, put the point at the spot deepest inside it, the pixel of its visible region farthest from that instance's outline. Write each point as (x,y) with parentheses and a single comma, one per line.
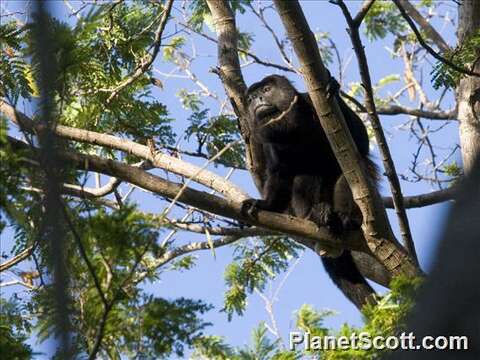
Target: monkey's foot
(250,208)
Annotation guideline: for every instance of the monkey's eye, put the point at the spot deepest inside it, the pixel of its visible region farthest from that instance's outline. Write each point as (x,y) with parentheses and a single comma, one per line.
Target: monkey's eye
(267,88)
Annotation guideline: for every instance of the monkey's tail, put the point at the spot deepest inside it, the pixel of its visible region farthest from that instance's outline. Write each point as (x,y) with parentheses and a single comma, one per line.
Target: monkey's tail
(345,274)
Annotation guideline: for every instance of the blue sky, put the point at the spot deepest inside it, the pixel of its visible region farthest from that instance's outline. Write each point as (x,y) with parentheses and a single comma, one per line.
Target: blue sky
(307,282)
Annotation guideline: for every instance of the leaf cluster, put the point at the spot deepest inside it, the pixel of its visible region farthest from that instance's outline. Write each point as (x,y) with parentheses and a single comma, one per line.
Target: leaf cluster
(253,266)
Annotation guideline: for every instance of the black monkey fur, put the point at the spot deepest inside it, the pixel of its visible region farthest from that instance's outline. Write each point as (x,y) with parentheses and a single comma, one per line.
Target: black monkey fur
(302,176)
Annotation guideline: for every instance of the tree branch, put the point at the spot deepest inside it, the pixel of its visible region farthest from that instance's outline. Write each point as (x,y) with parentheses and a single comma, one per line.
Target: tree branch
(397,110)
(433,115)
(232,79)
(378,234)
(378,131)
(254,57)
(160,160)
(196,228)
(146,63)
(432,198)
(425,25)
(367,4)
(204,201)
(428,47)
(7,264)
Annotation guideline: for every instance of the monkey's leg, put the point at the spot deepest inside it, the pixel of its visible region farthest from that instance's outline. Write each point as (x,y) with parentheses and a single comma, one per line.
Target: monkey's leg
(312,199)
(342,270)
(345,207)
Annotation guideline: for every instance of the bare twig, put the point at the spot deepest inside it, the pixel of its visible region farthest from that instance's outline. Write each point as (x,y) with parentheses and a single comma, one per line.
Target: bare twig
(425,25)
(145,63)
(255,58)
(185,185)
(397,110)
(7,264)
(85,257)
(280,46)
(183,250)
(250,231)
(16,282)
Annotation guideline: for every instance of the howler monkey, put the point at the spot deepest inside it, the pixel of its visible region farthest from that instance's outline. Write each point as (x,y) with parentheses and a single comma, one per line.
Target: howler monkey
(302,176)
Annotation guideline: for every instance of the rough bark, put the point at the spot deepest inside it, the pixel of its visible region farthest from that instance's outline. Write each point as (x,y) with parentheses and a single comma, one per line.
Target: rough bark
(379,236)
(199,199)
(158,159)
(232,79)
(468,89)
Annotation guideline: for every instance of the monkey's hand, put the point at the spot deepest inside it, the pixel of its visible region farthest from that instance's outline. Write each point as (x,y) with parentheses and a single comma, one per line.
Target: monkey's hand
(250,207)
(333,87)
(323,214)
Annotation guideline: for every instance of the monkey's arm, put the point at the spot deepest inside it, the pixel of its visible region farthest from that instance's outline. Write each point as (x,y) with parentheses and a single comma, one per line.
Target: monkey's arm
(277,189)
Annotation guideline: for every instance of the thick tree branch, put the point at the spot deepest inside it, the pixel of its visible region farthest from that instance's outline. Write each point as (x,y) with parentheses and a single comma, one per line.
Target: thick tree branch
(204,201)
(160,160)
(232,79)
(467,92)
(378,233)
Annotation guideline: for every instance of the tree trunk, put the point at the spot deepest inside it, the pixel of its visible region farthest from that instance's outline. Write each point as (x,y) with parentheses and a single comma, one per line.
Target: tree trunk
(468,89)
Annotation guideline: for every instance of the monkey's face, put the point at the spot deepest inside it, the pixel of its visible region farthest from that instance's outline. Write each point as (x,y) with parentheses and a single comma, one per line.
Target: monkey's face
(269,99)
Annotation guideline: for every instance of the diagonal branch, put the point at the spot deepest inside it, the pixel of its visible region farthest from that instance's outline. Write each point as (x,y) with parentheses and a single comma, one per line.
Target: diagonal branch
(428,47)
(378,234)
(378,131)
(160,160)
(367,4)
(7,264)
(425,25)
